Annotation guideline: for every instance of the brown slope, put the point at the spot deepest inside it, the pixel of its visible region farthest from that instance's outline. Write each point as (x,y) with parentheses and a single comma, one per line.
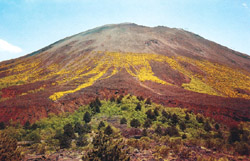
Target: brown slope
(68,63)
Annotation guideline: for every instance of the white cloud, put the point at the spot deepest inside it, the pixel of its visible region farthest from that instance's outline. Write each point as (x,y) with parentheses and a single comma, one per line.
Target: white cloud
(245,5)
(7,47)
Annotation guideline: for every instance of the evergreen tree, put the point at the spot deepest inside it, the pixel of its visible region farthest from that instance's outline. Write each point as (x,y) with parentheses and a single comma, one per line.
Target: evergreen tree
(164,114)
(123,121)
(2,125)
(79,128)
(82,141)
(148,101)
(112,99)
(207,126)
(140,98)
(138,107)
(144,132)
(26,125)
(108,130)
(87,117)
(217,127)
(101,125)
(86,128)
(147,123)
(151,115)
(65,141)
(98,102)
(156,112)
(135,123)
(187,117)
(234,135)
(172,131)
(158,130)
(182,126)
(34,126)
(174,119)
(69,131)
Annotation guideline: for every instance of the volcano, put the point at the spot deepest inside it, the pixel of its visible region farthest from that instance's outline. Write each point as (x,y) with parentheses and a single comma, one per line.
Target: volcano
(172,67)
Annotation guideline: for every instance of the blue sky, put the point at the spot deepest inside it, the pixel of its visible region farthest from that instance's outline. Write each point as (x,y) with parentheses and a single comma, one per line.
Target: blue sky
(28,25)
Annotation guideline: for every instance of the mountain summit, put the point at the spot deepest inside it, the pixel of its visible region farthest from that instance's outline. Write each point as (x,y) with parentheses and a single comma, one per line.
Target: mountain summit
(171,66)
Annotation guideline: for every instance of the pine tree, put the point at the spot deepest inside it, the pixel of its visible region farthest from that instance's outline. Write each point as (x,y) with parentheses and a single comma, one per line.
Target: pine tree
(174,119)
(148,101)
(82,141)
(138,107)
(101,125)
(182,126)
(135,123)
(2,125)
(69,131)
(147,123)
(108,130)
(123,121)
(87,117)
(158,130)
(26,125)
(207,126)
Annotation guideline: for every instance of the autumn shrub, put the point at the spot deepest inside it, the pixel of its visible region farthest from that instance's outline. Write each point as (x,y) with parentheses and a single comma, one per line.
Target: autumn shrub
(171,131)
(242,149)
(9,150)
(106,148)
(163,150)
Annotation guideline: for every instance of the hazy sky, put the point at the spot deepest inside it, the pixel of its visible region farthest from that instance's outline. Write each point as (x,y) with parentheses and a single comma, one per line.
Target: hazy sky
(28,25)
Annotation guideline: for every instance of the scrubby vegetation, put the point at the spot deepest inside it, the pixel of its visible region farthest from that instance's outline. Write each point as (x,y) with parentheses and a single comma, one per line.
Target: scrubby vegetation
(130,127)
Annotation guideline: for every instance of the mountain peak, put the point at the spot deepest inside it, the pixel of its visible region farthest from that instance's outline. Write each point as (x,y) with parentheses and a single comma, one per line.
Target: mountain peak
(171,66)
